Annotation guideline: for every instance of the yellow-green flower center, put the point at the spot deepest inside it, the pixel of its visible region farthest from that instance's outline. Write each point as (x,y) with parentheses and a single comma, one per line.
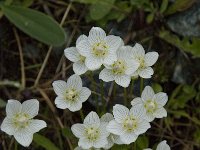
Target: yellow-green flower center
(142,62)
(150,106)
(71,95)
(118,67)
(130,123)
(100,49)
(21,120)
(92,133)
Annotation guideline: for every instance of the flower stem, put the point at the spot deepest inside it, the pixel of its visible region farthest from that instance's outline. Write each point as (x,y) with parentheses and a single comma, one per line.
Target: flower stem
(16,144)
(81,114)
(141,85)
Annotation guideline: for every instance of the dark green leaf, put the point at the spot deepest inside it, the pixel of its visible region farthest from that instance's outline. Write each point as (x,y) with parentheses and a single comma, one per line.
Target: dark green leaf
(163,6)
(142,142)
(66,132)
(2,103)
(35,24)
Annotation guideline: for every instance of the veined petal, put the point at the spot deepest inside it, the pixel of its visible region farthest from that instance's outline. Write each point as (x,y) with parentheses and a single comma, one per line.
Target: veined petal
(163,146)
(138,51)
(150,58)
(24,137)
(123,81)
(143,126)
(84,48)
(132,66)
(100,143)
(161,98)
(96,34)
(113,42)
(84,94)
(115,128)
(128,138)
(59,87)
(8,127)
(106,117)
(147,93)
(75,106)
(79,68)
(93,63)
(138,111)
(30,107)
(81,38)
(146,73)
(124,52)
(136,101)
(102,128)
(149,117)
(92,118)
(110,58)
(74,81)
(116,139)
(120,112)
(110,143)
(36,125)
(13,107)
(61,103)
(106,75)
(72,54)
(160,113)
(78,130)
(85,143)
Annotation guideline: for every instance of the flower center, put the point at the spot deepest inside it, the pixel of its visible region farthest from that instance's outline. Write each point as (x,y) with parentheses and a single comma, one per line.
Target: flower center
(100,49)
(82,59)
(119,67)
(150,106)
(142,62)
(130,123)
(21,120)
(71,95)
(92,133)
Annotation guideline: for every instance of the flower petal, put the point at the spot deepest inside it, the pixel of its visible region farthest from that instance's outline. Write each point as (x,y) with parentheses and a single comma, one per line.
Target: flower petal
(128,138)
(160,113)
(149,117)
(92,118)
(85,143)
(13,107)
(115,128)
(72,54)
(8,126)
(136,101)
(79,68)
(100,143)
(123,81)
(138,111)
(84,48)
(106,117)
(24,137)
(81,38)
(161,98)
(110,58)
(106,75)
(84,94)
(61,103)
(143,126)
(59,87)
(103,133)
(96,34)
(146,73)
(147,93)
(30,107)
(74,81)
(113,42)
(36,125)
(150,58)
(93,63)
(132,66)
(78,130)
(163,146)
(120,112)
(138,51)
(75,106)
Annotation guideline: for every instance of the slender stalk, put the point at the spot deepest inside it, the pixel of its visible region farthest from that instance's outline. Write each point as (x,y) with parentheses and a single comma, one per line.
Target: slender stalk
(81,114)
(125,97)
(16,144)
(141,85)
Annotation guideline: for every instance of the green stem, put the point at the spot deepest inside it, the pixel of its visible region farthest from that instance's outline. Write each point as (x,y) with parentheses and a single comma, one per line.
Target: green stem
(125,97)
(81,114)
(141,85)
(16,144)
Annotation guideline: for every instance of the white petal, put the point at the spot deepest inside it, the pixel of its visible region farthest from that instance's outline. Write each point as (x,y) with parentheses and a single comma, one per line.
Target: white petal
(81,38)
(96,34)
(72,54)
(78,130)
(75,106)
(160,113)
(102,128)
(110,58)
(100,143)
(123,81)
(147,93)
(161,98)
(138,51)
(128,138)
(24,137)
(85,143)
(84,94)
(151,58)
(61,103)
(147,149)
(163,146)
(143,126)
(106,117)
(30,107)
(116,139)
(136,101)
(113,42)
(93,63)
(74,81)
(13,107)
(79,68)
(124,52)
(110,143)
(146,73)
(132,66)
(8,126)
(36,125)
(84,48)
(149,117)
(120,112)
(92,118)
(115,128)
(59,87)
(106,75)
(138,111)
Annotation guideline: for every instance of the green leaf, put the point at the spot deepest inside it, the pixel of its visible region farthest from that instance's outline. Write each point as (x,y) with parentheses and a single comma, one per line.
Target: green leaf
(190,45)
(66,132)
(150,17)
(44,142)
(35,24)
(100,9)
(142,142)
(157,87)
(163,6)
(2,103)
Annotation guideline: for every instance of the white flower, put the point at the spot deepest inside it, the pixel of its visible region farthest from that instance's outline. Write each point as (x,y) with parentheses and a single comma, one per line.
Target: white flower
(146,61)
(70,94)
(128,124)
(92,133)
(161,146)
(112,138)
(79,148)
(152,103)
(73,55)
(98,48)
(121,69)
(19,120)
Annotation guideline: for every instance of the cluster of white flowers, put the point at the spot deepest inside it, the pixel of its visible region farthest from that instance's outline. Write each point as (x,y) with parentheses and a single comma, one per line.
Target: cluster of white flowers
(120,62)
(161,146)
